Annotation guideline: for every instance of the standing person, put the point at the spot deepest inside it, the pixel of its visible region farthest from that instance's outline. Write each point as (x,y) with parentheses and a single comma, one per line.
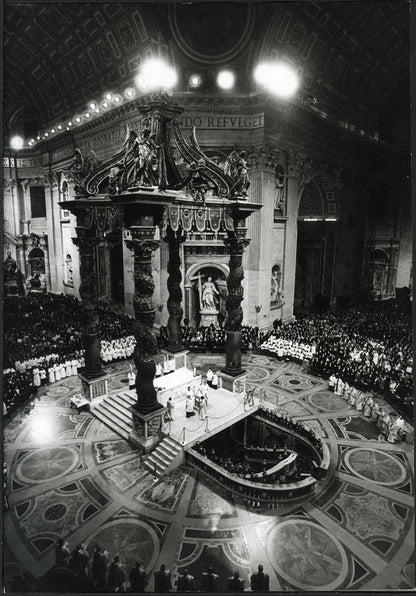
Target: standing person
(209,581)
(62,553)
(259,580)
(132,378)
(99,566)
(235,583)
(138,581)
(36,377)
(203,407)
(189,405)
(210,374)
(214,384)
(185,582)
(162,580)
(170,407)
(116,575)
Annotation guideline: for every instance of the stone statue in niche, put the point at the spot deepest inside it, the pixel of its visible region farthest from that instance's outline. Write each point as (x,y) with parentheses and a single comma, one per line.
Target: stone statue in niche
(279,179)
(276,295)
(208,298)
(9,266)
(236,168)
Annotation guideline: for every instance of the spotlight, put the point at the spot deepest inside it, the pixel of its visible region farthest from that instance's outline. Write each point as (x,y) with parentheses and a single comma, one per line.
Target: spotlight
(278,78)
(69,123)
(78,119)
(53,131)
(87,114)
(16,142)
(195,81)
(117,99)
(156,74)
(92,106)
(105,104)
(109,96)
(38,138)
(97,110)
(46,134)
(129,93)
(225,79)
(59,126)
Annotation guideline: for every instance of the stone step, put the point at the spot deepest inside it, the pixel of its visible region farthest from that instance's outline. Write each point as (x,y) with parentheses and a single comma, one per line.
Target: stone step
(167,450)
(161,457)
(111,423)
(168,441)
(124,398)
(123,416)
(120,406)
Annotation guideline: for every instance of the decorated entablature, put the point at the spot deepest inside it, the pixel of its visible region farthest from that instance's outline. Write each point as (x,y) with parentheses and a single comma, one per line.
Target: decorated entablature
(159,179)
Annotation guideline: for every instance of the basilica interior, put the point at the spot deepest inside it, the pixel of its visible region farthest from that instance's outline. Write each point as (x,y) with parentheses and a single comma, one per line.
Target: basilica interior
(207,273)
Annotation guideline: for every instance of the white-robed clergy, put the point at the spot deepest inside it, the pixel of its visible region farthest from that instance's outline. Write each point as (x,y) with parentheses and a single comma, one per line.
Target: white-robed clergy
(51,375)
(36,377)
(395,429)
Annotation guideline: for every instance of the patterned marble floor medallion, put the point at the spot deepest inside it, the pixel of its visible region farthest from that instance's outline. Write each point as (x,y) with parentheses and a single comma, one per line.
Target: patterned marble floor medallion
(55,513)
(132,539)
(207,503)
(307,556)
(368,515)
(108,449)
(41,465)
(57,390)
(262,360)
(256,373)
(126,475)
(72,382)
(327,401)
(359,428)
(375,465)
(166,492)
(294,383)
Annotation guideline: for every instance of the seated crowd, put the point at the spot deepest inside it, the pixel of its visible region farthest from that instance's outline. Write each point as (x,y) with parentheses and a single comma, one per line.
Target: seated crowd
(370,347)
(42,342)
(212,338)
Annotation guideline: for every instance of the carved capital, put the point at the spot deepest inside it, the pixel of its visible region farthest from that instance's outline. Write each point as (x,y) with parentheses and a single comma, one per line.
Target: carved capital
(142,248)
(236,245)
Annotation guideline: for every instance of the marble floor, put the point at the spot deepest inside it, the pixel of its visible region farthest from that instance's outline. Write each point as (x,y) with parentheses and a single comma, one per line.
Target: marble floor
(71,477)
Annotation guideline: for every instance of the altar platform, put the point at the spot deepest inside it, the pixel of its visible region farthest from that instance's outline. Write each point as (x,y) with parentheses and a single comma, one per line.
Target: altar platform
(224,409)
(175,385)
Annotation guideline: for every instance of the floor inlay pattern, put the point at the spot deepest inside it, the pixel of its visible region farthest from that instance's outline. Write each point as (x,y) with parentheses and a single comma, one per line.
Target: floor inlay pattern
(72,477)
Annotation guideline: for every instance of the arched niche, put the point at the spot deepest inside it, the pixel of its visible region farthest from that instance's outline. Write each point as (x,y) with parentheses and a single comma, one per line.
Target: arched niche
(217,271)
(319,199)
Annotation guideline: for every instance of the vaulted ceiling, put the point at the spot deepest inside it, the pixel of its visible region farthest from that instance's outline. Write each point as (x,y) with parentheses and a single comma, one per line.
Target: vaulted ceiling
(353,57)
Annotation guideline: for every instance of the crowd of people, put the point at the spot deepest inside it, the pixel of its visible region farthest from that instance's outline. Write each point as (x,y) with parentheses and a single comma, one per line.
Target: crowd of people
(390,425)
(212,338)
(84,564)
(370,347)
(43,343)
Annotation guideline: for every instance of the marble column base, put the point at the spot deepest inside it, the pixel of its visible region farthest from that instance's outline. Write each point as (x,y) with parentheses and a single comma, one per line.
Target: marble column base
(147,428)
(179,356)
(233,383)
(94,389)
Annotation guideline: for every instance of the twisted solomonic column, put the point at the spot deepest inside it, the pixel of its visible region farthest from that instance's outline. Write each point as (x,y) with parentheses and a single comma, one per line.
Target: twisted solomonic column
(142,244)
(90,323)
(174,240)
(236,246)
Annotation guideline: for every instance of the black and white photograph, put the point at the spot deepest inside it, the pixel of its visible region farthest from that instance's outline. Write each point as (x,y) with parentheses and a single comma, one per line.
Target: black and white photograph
(207,297)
